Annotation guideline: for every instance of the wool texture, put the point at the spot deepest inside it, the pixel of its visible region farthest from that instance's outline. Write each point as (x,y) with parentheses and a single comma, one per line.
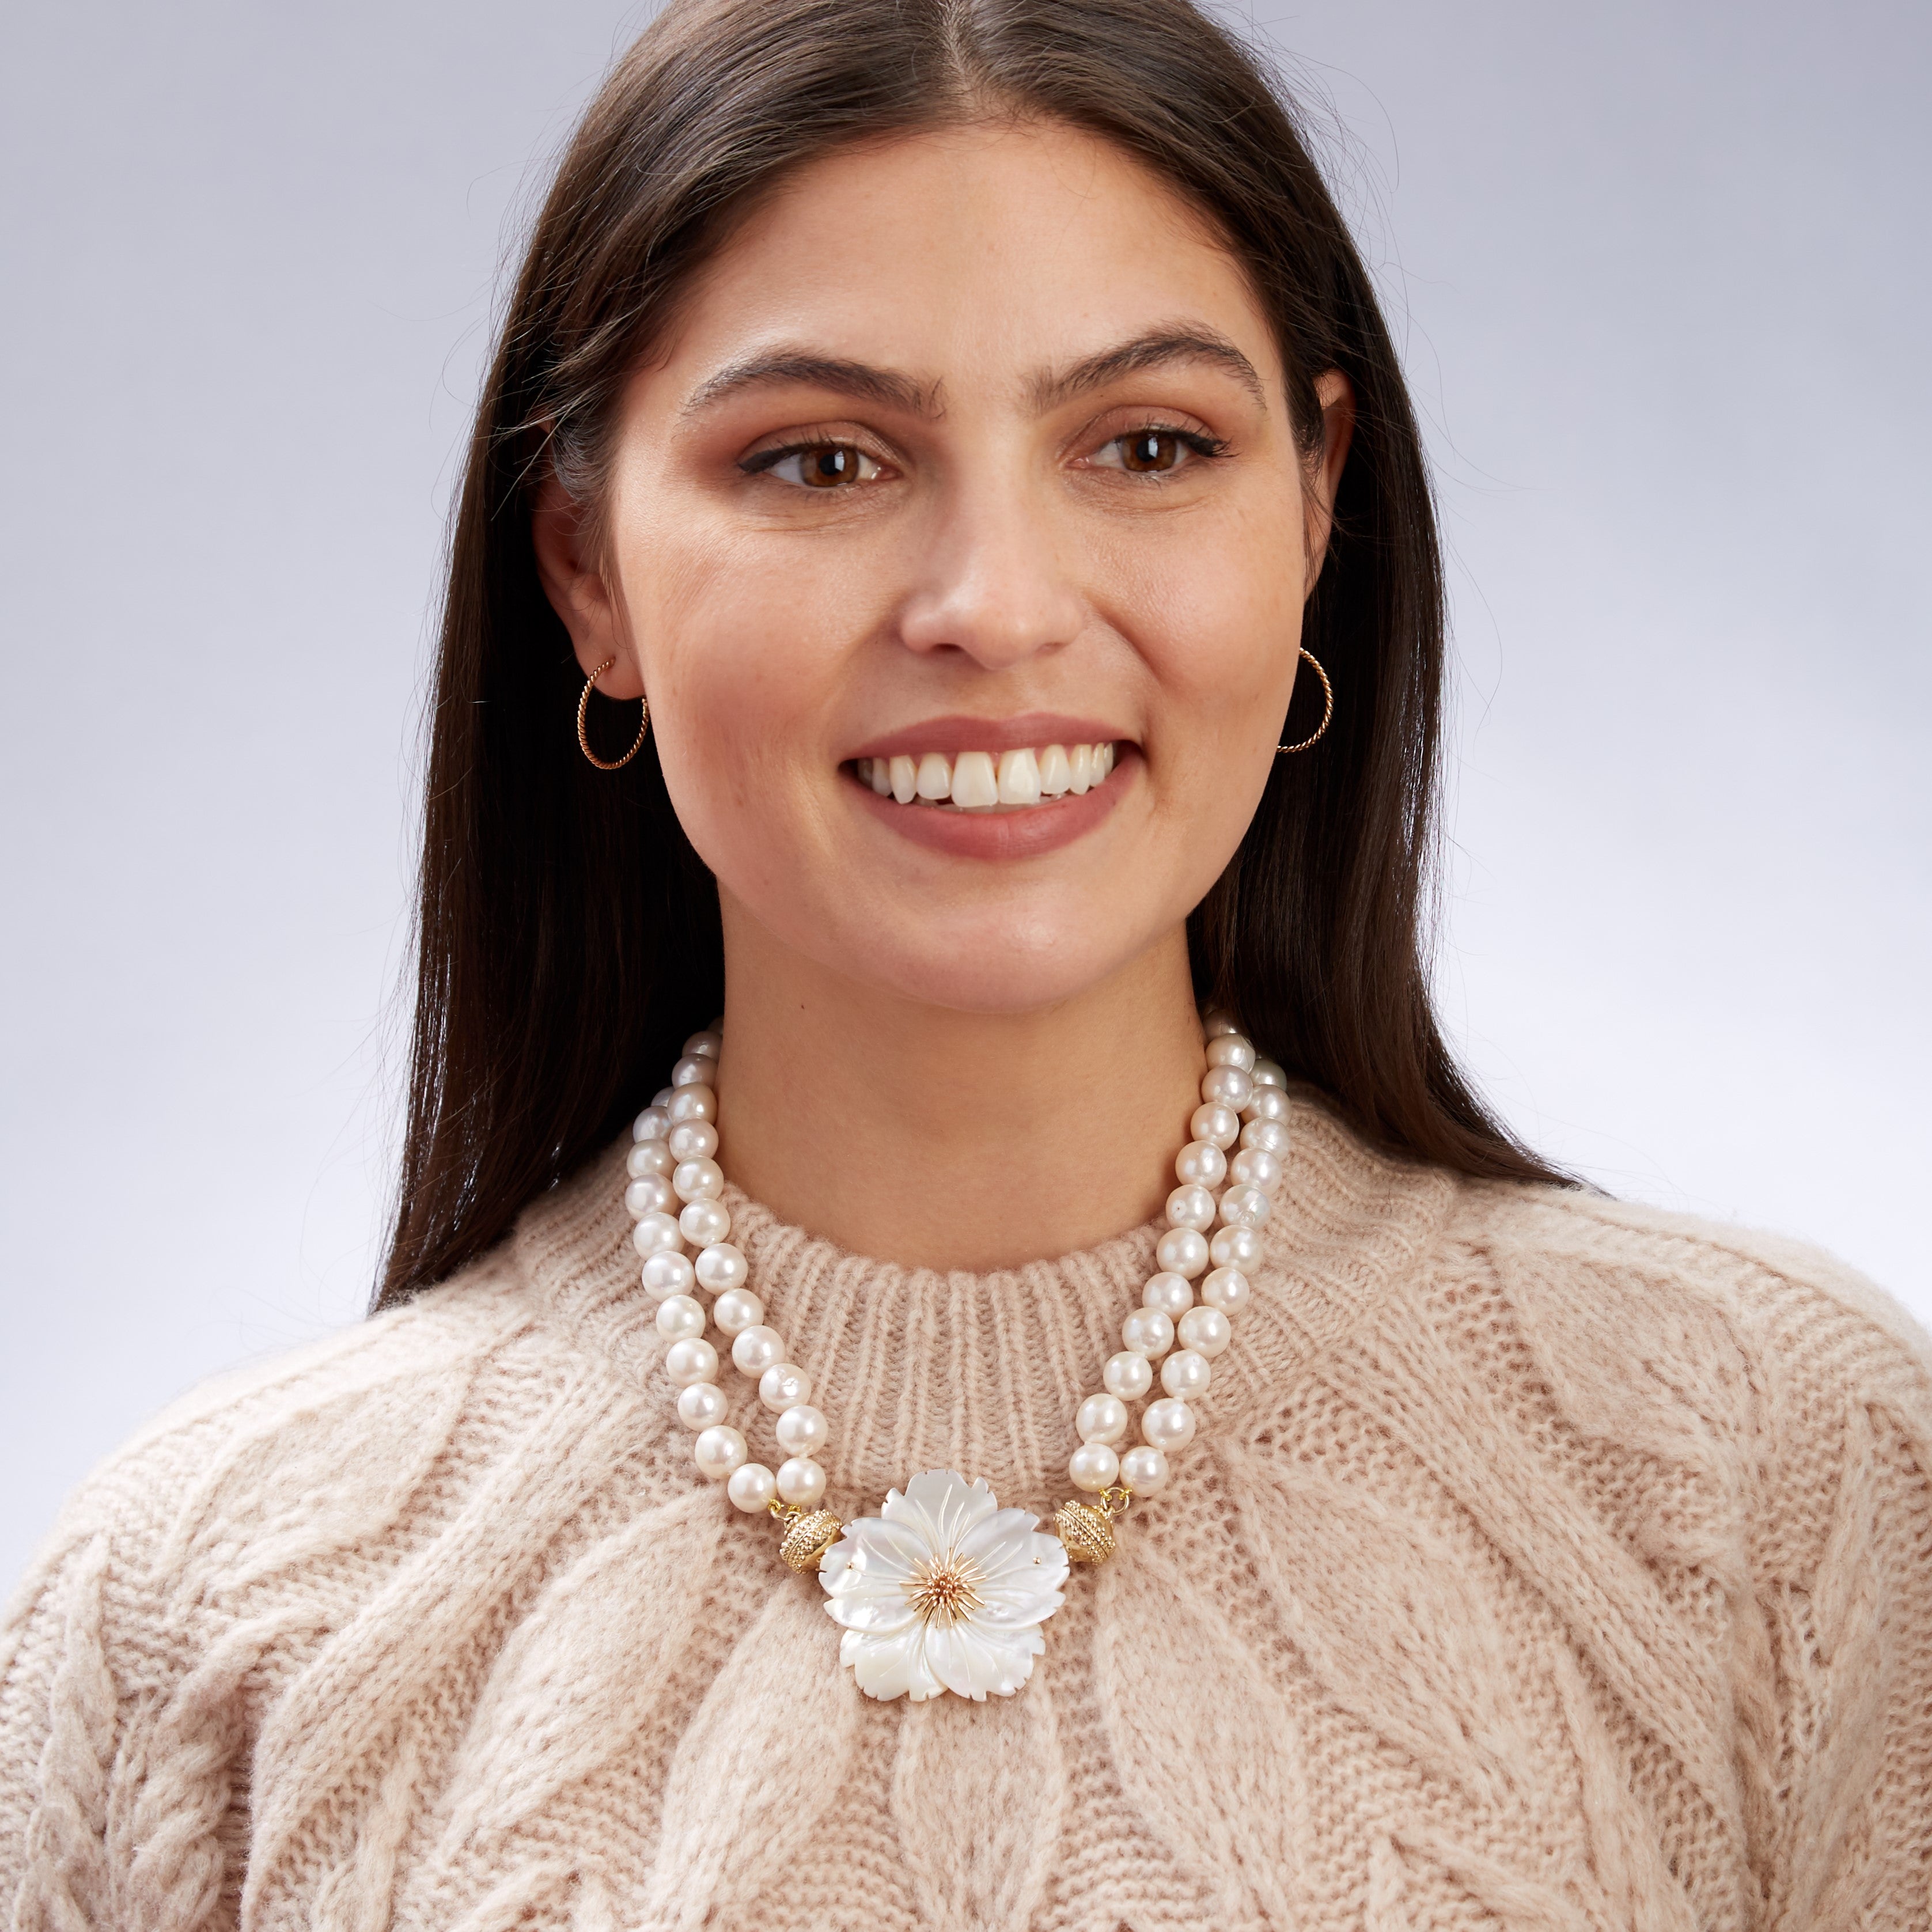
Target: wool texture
(1543,1563)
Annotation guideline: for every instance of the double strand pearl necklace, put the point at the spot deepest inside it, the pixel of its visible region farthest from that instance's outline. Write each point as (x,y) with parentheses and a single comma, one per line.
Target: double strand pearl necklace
(944,1590)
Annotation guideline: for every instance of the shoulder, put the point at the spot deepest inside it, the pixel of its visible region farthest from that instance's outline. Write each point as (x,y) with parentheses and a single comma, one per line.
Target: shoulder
(303,1424)
(1674,1333)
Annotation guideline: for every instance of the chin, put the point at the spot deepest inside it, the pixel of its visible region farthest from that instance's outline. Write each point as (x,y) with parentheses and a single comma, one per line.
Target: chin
(991,970)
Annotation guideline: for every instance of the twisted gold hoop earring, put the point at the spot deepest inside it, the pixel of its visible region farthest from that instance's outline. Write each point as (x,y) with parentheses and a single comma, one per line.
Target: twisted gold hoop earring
(583,738)
(1327,706)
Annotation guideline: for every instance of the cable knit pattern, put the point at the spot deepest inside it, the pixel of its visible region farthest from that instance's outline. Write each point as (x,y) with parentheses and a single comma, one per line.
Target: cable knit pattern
(1543,1563)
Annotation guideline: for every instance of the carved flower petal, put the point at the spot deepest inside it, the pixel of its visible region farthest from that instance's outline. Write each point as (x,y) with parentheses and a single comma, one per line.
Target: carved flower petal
(971,1662)
(875,1550)
(887,1667)
(941,1505)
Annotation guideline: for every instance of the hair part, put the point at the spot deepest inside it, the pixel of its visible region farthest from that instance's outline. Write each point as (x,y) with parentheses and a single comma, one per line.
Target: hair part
(568,934)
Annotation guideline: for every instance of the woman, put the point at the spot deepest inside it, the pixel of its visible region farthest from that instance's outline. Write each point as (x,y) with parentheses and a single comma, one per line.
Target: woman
(945,579)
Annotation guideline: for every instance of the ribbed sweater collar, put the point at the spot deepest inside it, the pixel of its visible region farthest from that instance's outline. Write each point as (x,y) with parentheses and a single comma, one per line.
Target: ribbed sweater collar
(919,1368)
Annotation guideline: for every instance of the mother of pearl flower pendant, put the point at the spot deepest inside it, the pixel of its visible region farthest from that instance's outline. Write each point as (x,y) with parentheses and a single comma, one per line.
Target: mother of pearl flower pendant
(943,1590)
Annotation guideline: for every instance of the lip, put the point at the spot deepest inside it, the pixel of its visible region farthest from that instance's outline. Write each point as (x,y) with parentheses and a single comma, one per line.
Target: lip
(952,735)
(1029,834)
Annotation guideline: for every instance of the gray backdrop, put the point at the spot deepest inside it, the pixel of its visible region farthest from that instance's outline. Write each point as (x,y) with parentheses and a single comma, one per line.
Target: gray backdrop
(1659,271)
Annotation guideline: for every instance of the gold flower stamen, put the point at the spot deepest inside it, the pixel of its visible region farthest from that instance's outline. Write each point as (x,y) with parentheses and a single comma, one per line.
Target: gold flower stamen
(943,1592)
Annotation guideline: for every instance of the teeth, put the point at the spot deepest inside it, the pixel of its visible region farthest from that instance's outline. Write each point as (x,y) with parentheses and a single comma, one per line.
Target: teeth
(1019,779)
(974,781)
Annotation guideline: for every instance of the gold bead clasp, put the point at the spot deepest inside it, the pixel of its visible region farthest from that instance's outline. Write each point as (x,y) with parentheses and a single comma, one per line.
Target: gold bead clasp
(809,1535)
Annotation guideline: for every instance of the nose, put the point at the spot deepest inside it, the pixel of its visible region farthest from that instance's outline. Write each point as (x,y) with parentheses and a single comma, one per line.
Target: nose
(993,585)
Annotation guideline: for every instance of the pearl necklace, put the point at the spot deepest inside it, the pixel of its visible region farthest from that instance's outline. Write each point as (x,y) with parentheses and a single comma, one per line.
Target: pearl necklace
(944,1590)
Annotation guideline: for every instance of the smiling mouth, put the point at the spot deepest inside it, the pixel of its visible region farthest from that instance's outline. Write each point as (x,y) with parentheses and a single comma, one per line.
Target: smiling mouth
(979,781)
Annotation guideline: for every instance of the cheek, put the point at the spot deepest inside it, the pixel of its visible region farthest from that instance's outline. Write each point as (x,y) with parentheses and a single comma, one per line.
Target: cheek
(1215,609)
(741,658)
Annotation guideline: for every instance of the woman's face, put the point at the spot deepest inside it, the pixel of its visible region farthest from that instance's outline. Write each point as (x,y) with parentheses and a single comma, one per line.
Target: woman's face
(967,455)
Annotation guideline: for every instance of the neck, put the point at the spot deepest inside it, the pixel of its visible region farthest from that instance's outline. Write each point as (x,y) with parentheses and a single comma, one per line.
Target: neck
(943,1139)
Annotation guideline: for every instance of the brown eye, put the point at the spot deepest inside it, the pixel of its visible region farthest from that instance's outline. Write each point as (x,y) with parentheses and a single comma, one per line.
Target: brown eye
(1149,450)
(823,466)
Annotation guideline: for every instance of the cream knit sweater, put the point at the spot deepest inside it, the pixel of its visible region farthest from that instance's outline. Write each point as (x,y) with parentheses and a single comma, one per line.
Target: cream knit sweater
(1544,1563)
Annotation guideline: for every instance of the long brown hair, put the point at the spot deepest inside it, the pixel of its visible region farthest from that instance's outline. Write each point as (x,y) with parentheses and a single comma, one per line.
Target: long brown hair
(568,934)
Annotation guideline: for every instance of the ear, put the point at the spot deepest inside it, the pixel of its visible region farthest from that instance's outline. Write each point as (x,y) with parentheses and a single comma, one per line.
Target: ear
(1336,395)
(578,591)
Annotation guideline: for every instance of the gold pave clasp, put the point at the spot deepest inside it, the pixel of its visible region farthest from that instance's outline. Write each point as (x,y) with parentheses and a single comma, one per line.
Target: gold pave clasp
(1087,1528)
(809,1533)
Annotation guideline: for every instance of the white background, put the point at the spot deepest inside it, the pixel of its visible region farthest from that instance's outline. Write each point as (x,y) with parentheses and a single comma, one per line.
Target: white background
(1659,271)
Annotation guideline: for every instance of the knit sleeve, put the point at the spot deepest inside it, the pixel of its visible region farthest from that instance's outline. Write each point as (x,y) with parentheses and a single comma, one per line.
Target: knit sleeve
(60,1709)
(1836,1676)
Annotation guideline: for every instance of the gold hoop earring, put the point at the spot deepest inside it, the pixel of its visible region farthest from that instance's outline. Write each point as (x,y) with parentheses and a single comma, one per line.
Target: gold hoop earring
(1327,706)
(583,738)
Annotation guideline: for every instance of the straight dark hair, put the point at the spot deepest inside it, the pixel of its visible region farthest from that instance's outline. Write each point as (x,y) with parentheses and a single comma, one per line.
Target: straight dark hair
(568,934)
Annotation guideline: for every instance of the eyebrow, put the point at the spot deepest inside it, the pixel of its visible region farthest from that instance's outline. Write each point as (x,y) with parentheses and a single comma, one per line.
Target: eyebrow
(863,382)
(785,367)
(1157,348)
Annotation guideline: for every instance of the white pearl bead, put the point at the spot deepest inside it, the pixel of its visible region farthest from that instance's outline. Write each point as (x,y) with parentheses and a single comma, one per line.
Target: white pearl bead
(702,1405)
(1170,1294)
(652,1124)
(1147,1332)
(692,1103)
(1206,1330)
(1232,1086)
(1144,1470)
(661,1099)
(1191,1207)
(650,1194)
(693,1140)
(751,1487)
(1168,1425)
(1226,1290)
(783,1385)
(1215,1024)
(1182,1251)
(698,1181)
(1254,1167)
(719,1450)
(1185,1373)
(648,1157)
(736,1310)
(1215,1123)
(705,1045)
(1268,1074)
(721,1266)
(756,1349)
(1092,1466)
(692,1360)
(655,1233)
(1128,1375)
(801,1482)
(1232,1247)
(704,1223)
(1267,1103)
(1231,1050)
(1245,1207)
(680,1318)
(803,1430)
(1101,1418)
(668,1273)
(691,1071)
(1201,1164)
(1269,1136)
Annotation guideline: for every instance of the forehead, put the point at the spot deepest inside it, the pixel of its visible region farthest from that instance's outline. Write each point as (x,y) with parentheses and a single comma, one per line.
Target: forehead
(973,255)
